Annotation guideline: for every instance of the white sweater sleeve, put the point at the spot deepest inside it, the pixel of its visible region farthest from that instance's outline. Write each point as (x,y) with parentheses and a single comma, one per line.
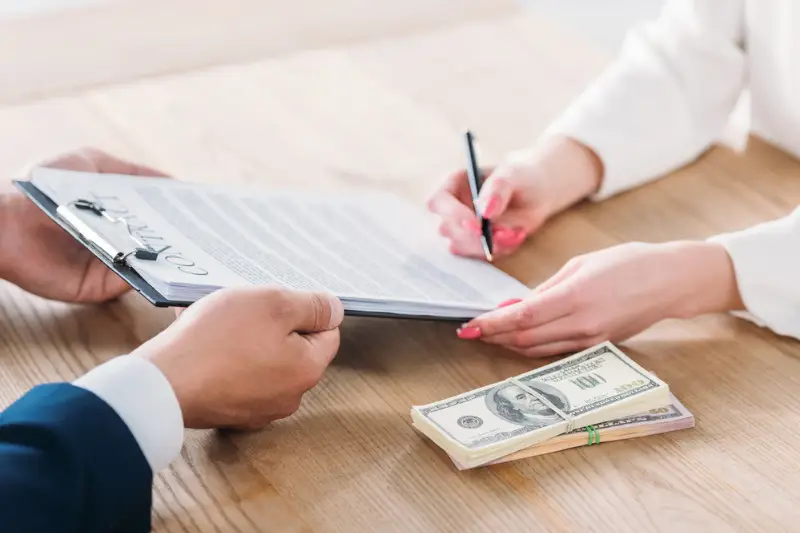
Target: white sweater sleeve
(668,95)
(766,259)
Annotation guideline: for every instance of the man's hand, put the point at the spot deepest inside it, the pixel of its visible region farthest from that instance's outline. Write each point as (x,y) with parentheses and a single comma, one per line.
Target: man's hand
(243,357)
(41,258)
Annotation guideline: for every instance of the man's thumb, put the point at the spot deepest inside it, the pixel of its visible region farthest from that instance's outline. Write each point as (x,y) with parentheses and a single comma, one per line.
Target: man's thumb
(315,311)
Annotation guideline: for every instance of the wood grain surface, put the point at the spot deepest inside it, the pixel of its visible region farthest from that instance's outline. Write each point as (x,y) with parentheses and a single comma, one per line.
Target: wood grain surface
(386,113)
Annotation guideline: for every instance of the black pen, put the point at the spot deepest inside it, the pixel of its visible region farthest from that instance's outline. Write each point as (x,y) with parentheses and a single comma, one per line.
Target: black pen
(475,182)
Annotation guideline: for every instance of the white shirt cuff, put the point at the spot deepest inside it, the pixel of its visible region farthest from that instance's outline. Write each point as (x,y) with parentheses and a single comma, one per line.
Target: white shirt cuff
(143,398)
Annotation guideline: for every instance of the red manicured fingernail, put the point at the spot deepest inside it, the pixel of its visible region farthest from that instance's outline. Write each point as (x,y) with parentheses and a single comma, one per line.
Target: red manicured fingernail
(502,234)
(510,237)
(519,235)
(512,301)
(469,333)
(473,226)
(505,240)
(491,207)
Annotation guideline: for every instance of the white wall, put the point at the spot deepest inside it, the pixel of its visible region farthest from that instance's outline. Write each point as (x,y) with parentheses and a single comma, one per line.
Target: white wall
(604,21)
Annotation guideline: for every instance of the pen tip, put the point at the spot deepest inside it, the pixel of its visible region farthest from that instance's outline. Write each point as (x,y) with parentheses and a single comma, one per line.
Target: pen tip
(486,249)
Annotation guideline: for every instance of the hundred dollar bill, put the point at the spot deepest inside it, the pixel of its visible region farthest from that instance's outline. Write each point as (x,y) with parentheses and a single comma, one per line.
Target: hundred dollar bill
(672,417)
(596,385)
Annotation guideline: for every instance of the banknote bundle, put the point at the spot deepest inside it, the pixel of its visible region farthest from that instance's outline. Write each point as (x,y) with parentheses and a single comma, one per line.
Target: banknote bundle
(557,406)
(673,417)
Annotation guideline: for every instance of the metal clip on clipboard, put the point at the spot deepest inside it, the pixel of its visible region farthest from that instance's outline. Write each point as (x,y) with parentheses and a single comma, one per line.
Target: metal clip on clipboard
(142,250)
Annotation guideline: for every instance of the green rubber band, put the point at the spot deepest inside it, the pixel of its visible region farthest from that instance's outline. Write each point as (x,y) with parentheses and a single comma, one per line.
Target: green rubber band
(594,437)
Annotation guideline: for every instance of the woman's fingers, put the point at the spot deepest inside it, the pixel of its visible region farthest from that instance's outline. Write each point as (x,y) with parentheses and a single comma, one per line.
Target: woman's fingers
(465,238)
(563,273)
(536,310)
(463,241)
(556,348)
(460,223)
(461,246)
(445,204)
(508,238)
(496,194)
(564,328)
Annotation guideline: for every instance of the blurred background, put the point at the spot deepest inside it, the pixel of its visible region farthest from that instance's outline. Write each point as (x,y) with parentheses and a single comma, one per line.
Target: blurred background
(312,92)
(605,21)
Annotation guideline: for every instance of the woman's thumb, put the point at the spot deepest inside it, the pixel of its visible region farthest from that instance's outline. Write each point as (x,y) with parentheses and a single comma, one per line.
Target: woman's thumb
(495,194)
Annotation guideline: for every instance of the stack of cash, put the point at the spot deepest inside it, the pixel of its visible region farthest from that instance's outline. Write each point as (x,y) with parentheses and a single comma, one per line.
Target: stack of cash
(598,394)
(661,420)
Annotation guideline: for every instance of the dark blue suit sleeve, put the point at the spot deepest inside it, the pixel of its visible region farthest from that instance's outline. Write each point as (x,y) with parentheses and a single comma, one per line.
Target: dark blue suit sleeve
(68,463)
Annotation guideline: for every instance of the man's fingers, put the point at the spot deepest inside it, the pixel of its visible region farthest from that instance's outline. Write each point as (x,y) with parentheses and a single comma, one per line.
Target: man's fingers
(537,309)
(108,164)
(309,312)
(317,350)
(323,346)
(112,165)
(94,160)
(68,161)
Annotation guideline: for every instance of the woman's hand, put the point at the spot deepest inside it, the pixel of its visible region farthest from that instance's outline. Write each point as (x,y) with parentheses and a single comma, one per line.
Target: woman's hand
(517,196)
(612,294)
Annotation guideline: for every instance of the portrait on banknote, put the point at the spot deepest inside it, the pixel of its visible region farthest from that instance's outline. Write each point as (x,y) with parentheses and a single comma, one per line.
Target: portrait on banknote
(512,403)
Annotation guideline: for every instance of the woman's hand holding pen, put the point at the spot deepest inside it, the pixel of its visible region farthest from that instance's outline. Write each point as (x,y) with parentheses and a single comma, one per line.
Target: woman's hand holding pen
(518,196)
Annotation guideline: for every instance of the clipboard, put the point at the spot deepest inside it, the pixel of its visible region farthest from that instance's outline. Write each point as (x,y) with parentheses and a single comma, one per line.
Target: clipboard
(132,278)
(128,274)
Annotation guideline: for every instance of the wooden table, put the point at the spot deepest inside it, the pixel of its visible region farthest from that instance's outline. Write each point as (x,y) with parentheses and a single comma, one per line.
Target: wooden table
(386,113)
